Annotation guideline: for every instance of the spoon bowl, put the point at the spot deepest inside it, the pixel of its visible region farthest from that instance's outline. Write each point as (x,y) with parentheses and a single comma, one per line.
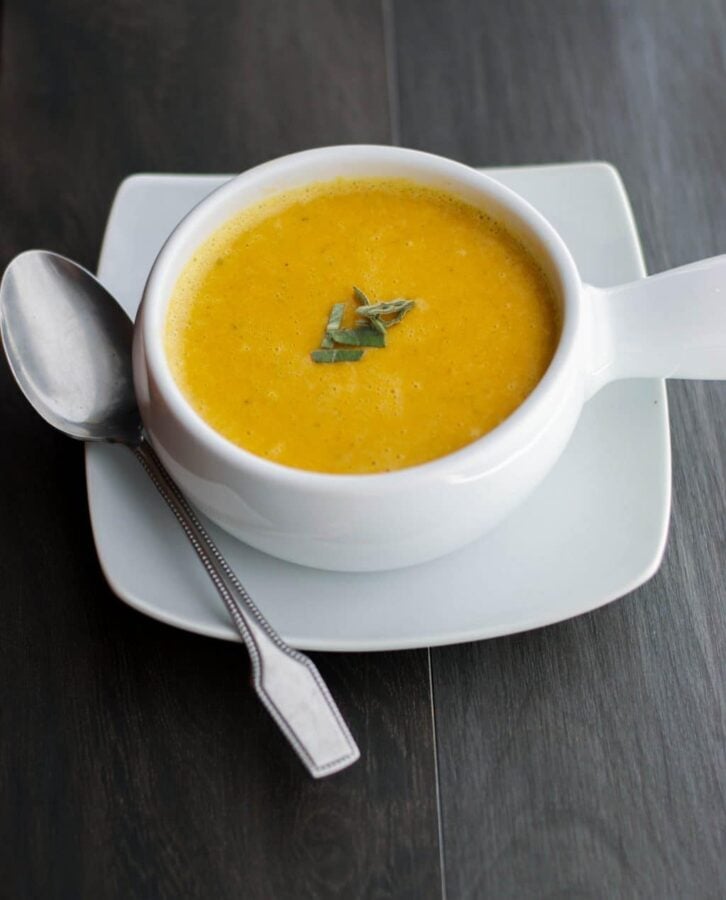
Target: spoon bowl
(68,344)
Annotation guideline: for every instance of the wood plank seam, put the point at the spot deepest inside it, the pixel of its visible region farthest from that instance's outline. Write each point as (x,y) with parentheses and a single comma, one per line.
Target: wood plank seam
(140,762)
(391,57)
(2,19)
(389,45)
(437,784)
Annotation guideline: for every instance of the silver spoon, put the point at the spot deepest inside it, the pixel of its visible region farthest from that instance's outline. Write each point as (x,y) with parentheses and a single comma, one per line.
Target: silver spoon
(68,343)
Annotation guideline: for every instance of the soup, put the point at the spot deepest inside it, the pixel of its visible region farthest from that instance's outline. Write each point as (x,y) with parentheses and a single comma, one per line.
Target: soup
(260,324)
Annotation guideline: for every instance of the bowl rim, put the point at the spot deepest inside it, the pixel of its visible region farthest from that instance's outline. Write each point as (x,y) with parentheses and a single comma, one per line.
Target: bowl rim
(160,282)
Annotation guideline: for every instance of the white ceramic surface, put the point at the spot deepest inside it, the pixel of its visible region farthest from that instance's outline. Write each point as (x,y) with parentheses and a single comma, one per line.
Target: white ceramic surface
(672,324)
(361,522)
(603,509)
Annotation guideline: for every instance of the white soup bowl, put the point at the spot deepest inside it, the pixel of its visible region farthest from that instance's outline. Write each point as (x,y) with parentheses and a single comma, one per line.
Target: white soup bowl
(669,325)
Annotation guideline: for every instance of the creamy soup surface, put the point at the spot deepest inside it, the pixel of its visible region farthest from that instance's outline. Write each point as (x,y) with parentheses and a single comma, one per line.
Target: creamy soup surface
(253,302)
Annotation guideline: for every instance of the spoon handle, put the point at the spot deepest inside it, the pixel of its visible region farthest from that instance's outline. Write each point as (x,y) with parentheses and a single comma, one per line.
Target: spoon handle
(287,681)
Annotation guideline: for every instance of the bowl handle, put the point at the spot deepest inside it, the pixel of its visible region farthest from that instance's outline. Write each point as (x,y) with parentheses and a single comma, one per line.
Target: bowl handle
(671,325)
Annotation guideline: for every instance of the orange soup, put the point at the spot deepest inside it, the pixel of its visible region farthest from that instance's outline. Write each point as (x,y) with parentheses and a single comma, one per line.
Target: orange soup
(261,313)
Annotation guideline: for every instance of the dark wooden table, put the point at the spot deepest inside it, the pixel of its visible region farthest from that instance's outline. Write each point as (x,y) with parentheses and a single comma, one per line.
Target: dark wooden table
(587,759)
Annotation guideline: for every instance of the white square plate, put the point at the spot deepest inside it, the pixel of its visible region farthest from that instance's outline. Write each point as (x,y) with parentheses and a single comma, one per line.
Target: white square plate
(594,530)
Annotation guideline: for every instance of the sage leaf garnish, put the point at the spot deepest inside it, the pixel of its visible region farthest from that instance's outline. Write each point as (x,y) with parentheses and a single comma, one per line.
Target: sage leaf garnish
(335,317)
(370,330)
(374,322)
(398,308)
(364,336)
(360,296)
(398,316)
(335,355)
(334,320)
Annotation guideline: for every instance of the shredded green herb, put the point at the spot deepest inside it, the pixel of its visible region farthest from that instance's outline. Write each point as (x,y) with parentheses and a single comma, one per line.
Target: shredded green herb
(396,308)
(374,323)
(336,355)
(360,296)
(334,320)
(370,331)
(363,336)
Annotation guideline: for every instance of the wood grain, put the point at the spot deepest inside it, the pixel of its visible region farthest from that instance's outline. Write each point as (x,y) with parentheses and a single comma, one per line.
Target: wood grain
(134,760)
(587,759)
